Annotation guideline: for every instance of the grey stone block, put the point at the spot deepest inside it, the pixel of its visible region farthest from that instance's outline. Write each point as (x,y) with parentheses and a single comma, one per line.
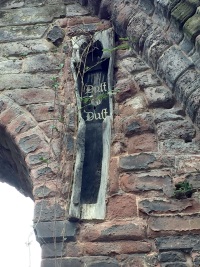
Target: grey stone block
(12,81)
(193,103)
(44,211)
(155,44)
(16,33)
(56,35)
(24,48)
(176,129)
(172,64)
(75,10)
(173,114)
(42,62)
(159,96)
(183,243)
(147,6)
(31,15)
(186,84)
(10,66)
(62,262)
(172,264)
(48,232)
(53,250)
(172,256)
(100,261)
(147,79)
(144,161)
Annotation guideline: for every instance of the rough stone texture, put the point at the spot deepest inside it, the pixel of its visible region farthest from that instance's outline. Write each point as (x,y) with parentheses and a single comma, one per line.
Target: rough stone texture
(145,161)
(176,129)
(159,97)
(172,256)
(154,143)
(113,231)
(172,64)
(157,180)
(48,232)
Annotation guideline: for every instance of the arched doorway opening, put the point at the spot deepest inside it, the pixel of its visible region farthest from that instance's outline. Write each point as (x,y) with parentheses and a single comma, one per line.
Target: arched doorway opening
(18,245)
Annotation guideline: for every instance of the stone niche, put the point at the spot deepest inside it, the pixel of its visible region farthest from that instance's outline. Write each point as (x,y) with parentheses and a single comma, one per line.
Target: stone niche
(92,65)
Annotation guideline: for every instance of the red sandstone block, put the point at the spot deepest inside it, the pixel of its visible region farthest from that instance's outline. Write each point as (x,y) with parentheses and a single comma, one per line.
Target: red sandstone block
(113,231)
(113,176)
(21,124)
(121,206)
(125,89)
(142,143)
(122,247)
(155,180)
(158,225)
(10,114)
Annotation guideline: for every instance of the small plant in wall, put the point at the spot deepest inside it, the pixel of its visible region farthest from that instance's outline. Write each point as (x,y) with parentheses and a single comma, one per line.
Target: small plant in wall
(183,190)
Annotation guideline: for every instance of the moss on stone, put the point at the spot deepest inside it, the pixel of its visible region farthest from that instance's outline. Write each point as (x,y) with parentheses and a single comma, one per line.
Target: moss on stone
(192,25)
(183,11)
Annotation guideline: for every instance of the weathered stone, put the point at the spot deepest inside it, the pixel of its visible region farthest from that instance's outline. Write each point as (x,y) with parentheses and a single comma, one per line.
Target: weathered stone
(183,11)
(159,96)
(21,124)
(172,64)
(124,89)
(191,27)
(31,96)
(133,64)
(52,250)
(197,118)
(192,104)
(155,44)
(47,232)
(173,114)
(187,84)
(194,180)
(12,4)
(138,124)
(100,262)
(174,32)
(31,15)
(42,62)
(172,256)
(180,146)
(138,24)
(147,6)
(121,206)
(118,248)
(176,129)
(75,10)
(15,33)
(146,79)
(29,143)
(42,191)
(145,161)
(174,223)
(24,48)
(187,46)
(178,242)
(62,262)
(162,206)
(142,143)
(44,211)
(56,35)
(171,264)
(133,105)
(16,81)
(187,164)
(157,180)
(10,66)
(113,231)
(43,112)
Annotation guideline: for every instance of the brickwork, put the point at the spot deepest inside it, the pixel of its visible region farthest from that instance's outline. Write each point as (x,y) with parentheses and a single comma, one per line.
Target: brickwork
(155,131)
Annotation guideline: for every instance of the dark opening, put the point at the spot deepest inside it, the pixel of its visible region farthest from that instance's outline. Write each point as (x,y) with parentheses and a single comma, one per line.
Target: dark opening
(93,90)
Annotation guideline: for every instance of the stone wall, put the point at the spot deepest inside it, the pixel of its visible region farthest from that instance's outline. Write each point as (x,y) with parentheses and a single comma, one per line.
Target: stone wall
(155,133)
